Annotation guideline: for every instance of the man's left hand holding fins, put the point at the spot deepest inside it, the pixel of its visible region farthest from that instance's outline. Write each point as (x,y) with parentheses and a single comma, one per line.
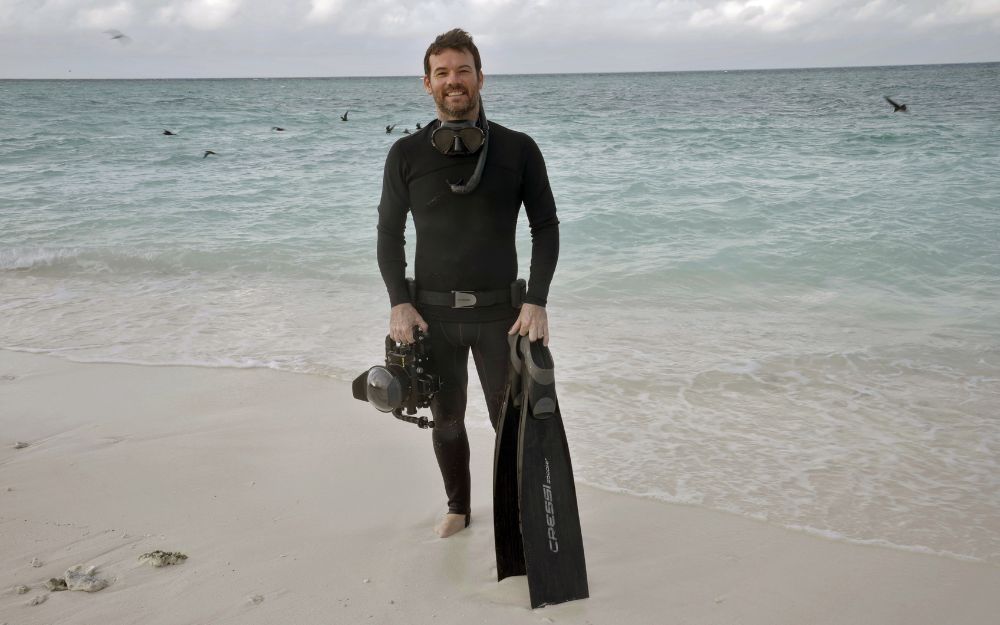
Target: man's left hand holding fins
(532,322)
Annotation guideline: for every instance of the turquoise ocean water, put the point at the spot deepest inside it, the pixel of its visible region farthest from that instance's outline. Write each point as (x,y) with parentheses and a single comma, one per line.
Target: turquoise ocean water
(775,297)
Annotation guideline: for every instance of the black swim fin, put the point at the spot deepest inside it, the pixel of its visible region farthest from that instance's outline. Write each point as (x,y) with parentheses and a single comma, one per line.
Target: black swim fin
(550,539)
(506,517)
(550,519)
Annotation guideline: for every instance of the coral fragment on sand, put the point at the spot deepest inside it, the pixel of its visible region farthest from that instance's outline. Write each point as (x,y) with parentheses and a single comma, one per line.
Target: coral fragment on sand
(21,590)
(55,584)
(39,600)
(21,445)
(163,558)
(87,581)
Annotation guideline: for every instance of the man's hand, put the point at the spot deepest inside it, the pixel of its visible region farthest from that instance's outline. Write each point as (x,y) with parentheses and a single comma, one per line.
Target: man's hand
(533,322)
(402,318)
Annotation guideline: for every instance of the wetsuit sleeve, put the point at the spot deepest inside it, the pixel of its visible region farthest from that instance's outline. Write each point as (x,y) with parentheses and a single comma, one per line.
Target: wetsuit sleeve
(392,210)
(541,209)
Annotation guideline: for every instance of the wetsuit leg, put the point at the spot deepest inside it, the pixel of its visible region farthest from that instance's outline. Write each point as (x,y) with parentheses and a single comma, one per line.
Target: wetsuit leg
(450,355)
(490,352)
(450,344)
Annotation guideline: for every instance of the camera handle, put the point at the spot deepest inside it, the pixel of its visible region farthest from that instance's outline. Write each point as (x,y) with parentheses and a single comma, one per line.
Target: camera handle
(421,422)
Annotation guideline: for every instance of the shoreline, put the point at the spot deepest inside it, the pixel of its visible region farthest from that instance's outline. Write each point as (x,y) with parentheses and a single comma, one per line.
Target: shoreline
(276,486)
(475,395)
(830,535)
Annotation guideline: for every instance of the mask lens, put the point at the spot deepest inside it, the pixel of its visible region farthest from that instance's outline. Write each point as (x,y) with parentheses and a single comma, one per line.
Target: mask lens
(472,138)
(442,140)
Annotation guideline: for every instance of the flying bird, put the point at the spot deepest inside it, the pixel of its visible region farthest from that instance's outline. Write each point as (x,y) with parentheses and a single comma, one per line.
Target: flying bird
(896,108)
(406,131)
(388,129)
(119,35)
(278,128)
(170,134)
(343,117)
(207,153)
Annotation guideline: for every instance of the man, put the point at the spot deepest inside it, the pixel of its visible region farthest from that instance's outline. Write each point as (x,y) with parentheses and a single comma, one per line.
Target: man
(465,226)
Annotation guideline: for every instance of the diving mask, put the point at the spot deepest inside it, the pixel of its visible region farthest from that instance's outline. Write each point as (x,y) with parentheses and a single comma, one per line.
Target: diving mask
(458,138)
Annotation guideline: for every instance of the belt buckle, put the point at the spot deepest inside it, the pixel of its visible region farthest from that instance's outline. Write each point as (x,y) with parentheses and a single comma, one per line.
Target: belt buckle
(464,299)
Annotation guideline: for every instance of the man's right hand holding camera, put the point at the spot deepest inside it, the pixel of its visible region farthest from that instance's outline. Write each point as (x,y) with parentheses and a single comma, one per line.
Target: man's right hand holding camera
(401,321)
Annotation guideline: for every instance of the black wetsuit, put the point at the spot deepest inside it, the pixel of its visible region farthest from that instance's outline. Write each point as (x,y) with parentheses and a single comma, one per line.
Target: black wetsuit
(465,243)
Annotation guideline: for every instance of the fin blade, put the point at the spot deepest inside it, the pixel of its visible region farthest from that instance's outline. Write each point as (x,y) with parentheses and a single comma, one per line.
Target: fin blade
(549,514)
(506,517)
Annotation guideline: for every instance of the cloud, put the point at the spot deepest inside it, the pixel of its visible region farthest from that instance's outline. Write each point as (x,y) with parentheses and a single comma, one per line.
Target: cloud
(957,12)
(320,11)
(553,19)
(200,14)
(381,36)
(107,16)
(392,18)
(6,14)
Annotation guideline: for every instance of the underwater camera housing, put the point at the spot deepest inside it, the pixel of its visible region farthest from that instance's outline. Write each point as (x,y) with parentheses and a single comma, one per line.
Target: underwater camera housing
(404,381)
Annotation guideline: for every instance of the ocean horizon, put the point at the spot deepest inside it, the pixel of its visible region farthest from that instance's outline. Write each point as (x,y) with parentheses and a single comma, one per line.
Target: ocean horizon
(530,74)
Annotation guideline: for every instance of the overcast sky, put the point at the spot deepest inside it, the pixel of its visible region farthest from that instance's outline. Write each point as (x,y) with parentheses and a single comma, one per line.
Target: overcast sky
(223,38)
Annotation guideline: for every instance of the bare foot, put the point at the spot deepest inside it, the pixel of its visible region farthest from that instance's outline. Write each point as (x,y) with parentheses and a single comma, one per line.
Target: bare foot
(451,524)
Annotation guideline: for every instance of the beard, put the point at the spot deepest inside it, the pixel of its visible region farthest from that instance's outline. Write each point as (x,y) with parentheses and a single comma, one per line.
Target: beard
(453,110)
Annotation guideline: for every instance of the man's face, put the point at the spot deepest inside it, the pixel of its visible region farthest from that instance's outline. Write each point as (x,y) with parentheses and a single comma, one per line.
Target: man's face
(454,84)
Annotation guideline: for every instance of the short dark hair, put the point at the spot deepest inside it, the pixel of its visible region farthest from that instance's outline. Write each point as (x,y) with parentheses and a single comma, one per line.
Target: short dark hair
(454,39)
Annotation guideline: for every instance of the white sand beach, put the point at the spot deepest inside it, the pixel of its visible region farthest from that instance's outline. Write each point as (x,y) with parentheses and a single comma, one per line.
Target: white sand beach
(298,505)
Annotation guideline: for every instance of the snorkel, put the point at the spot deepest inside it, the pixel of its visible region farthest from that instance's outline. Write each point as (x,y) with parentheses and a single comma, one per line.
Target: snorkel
(456,127)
